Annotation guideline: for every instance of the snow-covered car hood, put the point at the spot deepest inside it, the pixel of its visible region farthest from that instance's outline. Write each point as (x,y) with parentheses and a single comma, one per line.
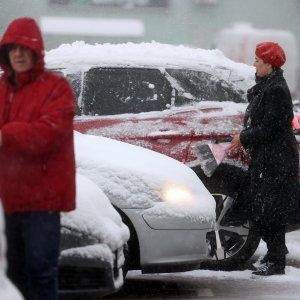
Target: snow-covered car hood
(95,218)
(134,177)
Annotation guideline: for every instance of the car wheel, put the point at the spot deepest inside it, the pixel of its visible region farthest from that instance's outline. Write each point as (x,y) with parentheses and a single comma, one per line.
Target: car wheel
(125,267)
(131,249)
(231,246)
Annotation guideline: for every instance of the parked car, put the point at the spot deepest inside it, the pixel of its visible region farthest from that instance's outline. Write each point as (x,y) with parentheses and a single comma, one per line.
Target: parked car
(92,243)
(8,291)
(168,210)
(167,99)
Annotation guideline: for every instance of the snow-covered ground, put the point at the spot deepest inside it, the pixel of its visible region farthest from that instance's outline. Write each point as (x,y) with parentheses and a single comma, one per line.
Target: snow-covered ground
(205,284)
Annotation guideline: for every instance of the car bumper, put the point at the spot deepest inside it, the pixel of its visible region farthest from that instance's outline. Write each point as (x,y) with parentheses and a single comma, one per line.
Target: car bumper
(90,277)
(169,250)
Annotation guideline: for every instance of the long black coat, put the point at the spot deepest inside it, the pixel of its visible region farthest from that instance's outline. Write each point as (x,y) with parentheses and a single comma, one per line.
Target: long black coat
(274,155)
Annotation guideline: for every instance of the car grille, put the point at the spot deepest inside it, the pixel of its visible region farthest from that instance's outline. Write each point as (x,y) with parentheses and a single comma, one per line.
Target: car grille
(78,278)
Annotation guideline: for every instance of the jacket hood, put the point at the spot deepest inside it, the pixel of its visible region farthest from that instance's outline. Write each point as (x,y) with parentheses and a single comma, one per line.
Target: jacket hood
(23,31)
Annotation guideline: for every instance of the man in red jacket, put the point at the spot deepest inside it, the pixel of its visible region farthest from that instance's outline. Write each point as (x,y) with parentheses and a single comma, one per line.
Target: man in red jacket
(37,165)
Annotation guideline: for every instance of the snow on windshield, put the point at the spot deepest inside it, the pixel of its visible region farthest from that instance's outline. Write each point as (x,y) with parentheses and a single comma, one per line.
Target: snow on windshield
(134,177)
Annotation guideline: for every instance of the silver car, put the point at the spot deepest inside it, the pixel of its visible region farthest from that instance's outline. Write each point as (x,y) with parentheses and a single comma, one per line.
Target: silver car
(165,205)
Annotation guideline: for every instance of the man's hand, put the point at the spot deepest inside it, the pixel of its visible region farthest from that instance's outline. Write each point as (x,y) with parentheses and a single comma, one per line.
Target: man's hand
(235,143)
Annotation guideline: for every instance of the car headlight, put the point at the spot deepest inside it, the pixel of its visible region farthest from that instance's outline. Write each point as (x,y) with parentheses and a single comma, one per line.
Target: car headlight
(177,195)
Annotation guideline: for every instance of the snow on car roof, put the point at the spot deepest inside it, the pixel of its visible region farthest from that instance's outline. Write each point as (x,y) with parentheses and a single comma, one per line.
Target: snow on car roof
(135,177)
(142,54)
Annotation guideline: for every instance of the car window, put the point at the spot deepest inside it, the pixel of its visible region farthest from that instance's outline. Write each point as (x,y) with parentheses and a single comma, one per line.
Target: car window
(110,91)
(75,81)
(202,86)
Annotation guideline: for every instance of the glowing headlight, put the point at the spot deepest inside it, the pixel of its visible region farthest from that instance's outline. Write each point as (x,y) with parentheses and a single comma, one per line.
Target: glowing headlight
(177,195)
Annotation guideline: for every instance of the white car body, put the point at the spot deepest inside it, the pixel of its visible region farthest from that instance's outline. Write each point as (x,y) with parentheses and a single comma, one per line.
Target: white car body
(162,201)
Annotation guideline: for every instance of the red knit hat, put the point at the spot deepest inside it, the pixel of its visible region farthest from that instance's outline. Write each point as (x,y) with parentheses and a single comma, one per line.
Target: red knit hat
(271,53)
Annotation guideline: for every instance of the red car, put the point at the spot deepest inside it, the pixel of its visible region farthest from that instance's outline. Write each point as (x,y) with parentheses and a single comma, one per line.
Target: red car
(168,99)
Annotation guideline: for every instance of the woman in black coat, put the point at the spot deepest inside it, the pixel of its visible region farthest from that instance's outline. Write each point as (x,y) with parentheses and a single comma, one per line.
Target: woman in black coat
(268,135)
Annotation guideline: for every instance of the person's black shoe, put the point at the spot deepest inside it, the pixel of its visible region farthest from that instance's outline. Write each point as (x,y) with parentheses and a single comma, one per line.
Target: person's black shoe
(269,269)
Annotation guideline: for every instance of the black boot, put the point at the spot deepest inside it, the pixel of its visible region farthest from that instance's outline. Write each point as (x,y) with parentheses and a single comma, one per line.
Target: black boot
(270,269)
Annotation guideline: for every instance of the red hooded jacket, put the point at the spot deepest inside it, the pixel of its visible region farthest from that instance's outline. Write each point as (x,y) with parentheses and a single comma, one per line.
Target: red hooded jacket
(37,165)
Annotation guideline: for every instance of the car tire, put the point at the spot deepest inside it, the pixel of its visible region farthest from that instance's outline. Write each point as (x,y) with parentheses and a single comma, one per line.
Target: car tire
(131,249)
(239,241)
(125,267)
